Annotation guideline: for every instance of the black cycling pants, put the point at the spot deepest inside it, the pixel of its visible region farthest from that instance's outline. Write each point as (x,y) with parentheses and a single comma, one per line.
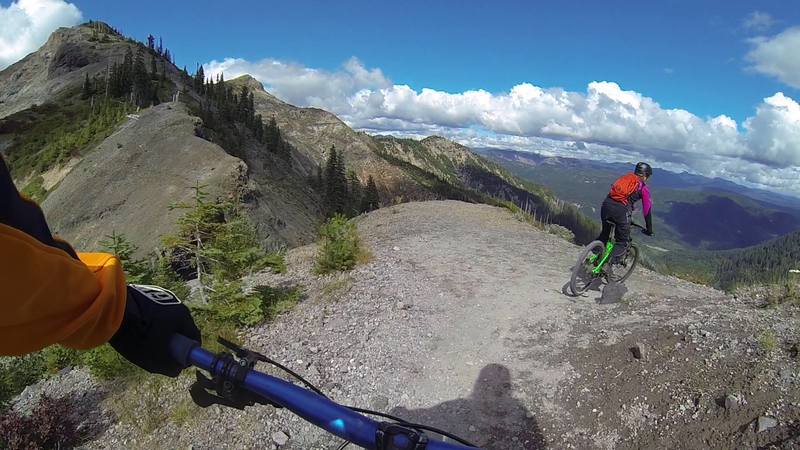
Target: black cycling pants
(620,215)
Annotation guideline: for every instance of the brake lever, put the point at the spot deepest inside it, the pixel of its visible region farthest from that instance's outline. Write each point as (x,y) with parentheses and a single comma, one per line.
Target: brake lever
(225,385)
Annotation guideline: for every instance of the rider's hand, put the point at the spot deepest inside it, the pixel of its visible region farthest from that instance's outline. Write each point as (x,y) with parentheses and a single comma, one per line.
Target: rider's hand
(152,316)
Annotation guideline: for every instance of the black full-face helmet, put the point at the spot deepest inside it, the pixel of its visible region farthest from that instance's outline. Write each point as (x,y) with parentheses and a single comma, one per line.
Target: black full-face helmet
(642,168)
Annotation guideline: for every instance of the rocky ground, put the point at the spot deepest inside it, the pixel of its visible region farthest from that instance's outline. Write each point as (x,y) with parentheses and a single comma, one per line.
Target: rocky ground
(459,321)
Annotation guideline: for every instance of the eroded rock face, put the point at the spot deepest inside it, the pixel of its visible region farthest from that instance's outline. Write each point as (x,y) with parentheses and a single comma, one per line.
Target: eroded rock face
(60,64)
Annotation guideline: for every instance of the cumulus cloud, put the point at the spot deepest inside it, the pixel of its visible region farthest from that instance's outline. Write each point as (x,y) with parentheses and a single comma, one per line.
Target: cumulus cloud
(778,56)
(26,25)
(611,123)
(758,21)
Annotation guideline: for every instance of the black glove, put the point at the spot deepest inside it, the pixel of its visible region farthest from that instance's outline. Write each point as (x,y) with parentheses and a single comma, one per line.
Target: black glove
(648,220)
(152,316)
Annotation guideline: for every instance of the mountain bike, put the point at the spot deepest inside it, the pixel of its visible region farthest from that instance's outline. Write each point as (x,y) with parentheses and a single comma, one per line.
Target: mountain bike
(593,263)
(235,383)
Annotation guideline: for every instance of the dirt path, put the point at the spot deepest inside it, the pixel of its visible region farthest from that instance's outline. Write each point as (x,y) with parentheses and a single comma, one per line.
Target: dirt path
(459,322)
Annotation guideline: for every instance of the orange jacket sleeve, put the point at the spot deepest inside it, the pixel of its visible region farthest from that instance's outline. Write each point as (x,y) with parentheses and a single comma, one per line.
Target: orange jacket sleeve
(48,297)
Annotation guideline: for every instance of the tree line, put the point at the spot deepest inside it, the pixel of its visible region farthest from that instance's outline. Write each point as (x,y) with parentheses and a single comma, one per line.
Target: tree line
(767,263)
(341,190)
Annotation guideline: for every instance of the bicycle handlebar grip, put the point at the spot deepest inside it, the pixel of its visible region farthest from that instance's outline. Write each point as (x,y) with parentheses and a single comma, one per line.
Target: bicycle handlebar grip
(180,347)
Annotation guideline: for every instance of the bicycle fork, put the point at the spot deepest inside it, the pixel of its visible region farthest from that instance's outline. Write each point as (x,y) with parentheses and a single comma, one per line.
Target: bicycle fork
(603,258)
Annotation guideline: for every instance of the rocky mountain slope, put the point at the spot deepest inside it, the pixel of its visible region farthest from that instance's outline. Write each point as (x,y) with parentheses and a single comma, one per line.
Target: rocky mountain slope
(62,63)
(312,132)
(277,192)
(129,181)
(459,321)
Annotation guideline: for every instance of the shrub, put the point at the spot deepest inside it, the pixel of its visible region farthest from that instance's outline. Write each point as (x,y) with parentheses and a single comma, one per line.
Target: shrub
(50,425)
(768,340)
(228,303)
(35,189)
(787,293)
(340,248)
(277,300)
(105,363)
(57,357)
(18,372)
(137,271)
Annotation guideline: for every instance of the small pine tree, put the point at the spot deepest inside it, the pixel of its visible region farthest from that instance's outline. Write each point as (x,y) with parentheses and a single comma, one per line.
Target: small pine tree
(136,270)
(196,228)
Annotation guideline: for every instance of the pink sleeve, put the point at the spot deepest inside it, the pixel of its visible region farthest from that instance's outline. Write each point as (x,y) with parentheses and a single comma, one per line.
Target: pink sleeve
(647,203)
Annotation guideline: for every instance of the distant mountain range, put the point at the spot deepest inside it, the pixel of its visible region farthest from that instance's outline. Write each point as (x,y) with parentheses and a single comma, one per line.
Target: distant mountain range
(691,211)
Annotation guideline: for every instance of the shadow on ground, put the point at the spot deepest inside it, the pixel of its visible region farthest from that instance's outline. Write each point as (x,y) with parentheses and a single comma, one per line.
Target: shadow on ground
(490,417)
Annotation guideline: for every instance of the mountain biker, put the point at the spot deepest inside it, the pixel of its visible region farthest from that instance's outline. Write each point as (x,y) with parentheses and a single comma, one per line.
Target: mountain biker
(618,208)
(53,295)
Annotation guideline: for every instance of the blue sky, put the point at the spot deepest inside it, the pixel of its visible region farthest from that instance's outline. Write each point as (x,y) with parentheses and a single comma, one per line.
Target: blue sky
(682,54)
(709,87)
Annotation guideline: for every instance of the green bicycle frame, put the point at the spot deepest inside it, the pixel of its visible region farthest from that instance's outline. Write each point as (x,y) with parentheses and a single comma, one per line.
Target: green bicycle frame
(603,258)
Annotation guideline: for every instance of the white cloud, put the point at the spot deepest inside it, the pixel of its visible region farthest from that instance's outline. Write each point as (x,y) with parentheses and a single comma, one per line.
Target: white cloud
(26,24)
(778,56)
(614,123)
(758,21)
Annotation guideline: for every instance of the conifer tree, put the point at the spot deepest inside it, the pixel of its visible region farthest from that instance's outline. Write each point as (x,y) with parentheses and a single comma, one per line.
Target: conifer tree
(87,90)
(153,68)
(273,136)
(371,200)
(199,79)
(354,193)
(335,185)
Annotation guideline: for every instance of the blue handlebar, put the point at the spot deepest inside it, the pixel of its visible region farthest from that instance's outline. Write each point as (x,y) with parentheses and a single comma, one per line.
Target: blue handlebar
(322,412)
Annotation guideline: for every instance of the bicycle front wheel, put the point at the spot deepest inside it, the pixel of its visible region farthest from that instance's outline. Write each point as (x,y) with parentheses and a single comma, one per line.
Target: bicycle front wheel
(582,275)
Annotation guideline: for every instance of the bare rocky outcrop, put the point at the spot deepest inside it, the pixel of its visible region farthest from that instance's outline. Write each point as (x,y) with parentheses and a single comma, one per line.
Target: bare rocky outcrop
(59,65)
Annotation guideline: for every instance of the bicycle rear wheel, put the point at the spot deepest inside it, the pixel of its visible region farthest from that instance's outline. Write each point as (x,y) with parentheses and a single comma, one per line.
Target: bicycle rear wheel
(582,276)
(627,265)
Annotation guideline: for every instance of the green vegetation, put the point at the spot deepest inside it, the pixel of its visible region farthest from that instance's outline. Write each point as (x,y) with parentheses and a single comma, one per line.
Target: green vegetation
(183,412)
(340,246)
(105,363)
(229,117)
(767,340)
(34,189)
(768,263)
(50,134)
(344,194)
(18,372)
(334,287)
(57,357)
(783,294)
(275,301)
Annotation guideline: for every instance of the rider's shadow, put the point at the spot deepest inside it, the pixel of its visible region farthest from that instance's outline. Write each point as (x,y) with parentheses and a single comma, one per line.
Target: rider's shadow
(490,417)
